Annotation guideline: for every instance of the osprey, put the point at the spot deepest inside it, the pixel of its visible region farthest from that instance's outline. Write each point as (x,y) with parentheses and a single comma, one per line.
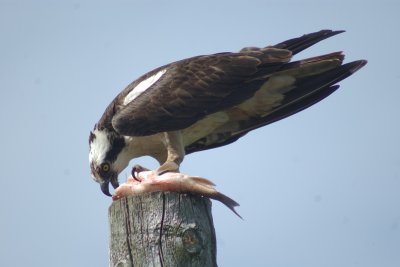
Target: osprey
(210,101)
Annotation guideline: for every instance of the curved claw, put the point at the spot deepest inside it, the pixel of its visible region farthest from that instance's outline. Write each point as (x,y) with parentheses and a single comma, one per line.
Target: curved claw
(135,171)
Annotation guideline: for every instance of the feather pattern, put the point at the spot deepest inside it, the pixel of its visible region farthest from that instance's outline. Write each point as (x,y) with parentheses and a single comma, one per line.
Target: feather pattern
(216,99)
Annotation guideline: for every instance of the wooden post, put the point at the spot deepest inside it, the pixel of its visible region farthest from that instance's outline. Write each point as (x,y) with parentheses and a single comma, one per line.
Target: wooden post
(163,229)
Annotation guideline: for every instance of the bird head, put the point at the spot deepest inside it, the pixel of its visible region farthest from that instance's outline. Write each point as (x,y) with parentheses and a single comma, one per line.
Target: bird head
(107,157)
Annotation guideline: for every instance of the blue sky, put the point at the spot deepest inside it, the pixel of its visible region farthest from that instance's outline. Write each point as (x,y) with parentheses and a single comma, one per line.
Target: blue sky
(321,188)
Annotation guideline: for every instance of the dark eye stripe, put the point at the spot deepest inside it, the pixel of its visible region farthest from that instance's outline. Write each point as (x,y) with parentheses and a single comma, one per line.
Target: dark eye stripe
(117,144)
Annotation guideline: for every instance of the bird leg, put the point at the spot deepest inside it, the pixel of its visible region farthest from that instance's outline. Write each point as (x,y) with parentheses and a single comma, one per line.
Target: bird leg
(173,143)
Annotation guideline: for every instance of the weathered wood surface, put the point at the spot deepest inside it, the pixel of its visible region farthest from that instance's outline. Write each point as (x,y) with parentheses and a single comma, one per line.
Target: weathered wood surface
(162,229)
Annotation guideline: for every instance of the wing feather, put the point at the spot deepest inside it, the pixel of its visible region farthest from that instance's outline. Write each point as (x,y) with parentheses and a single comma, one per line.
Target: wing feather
(193,88)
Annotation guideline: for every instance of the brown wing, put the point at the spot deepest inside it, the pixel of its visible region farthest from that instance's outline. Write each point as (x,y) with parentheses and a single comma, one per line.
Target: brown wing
(195,87)
(307,92)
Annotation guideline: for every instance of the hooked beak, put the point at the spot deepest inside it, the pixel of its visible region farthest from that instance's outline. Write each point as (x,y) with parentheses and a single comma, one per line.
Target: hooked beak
(105,186)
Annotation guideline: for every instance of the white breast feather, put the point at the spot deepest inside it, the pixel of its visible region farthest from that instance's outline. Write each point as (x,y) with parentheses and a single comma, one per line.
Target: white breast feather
(143,86)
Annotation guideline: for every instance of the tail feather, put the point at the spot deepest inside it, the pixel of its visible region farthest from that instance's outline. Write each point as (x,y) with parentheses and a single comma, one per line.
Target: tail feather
(308,91)
(295,64)
(313,78)
(293,108)
(296,45)
(311,84)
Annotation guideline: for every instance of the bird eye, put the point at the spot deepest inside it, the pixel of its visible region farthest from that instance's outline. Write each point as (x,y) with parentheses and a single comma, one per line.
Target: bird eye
(105,167)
